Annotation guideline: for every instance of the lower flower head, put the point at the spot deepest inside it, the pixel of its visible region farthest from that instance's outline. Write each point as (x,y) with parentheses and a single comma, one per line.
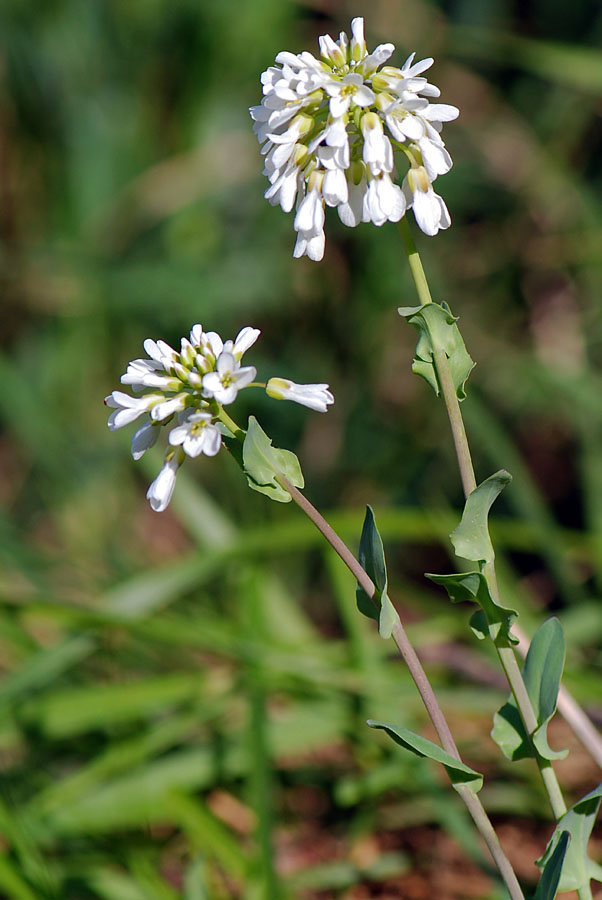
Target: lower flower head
(189,390)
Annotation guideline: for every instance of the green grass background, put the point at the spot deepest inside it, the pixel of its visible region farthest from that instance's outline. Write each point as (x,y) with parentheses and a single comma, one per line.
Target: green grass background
(182,696)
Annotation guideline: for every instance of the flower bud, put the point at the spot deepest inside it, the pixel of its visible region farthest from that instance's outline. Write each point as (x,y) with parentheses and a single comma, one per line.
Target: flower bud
(331,52)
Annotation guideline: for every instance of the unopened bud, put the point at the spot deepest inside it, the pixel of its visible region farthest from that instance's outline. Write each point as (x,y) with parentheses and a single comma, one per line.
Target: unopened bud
(195,380)
(331,52)
(203,364)
(181,371)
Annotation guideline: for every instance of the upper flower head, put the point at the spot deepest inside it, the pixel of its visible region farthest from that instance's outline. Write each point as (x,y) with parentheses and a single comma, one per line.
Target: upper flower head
(333,129)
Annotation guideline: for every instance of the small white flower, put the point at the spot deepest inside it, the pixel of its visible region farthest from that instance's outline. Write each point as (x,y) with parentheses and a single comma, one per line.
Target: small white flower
(315,396)
(332,51)
(383,201)
(370,63)
(435,158)
(144,373)
(309,222)
(341,94)
(228,379)
(334,187)
(352,212)
(402,124)
(310,215)
(357,47)
(160,491)
(378,152)
(196,435)
(128,409)
(284,189)
(440,112)
(169,407)
(211,346)
(161,352)
(429,208)
(144,439)
(335,135)
(311,245)
(244,339)
(196,335)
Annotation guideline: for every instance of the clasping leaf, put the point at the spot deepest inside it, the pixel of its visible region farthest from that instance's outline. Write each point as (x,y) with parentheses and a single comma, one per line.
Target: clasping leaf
(542,672)
(471,537)
(437,330)
(492,620)
(262,463)
(372,560)
(458,772)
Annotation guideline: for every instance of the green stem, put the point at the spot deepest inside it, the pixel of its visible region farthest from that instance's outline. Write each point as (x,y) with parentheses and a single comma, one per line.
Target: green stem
(456,421)
(236,430)
(415,262)
(471,800)
(506,654)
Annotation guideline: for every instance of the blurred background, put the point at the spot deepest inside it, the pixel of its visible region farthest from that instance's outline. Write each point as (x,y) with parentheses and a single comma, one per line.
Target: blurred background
(183,695)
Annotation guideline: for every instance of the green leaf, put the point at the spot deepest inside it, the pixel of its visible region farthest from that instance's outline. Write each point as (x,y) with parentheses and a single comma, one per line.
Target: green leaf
(577,869)
(547,886)
(458,772)
(262,464)
(492,620)
(471,537)
(437,330)
(542,672)
(372,560)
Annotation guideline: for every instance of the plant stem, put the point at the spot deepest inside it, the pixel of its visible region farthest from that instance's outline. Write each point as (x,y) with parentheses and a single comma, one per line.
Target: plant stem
(506,654)
(236,430)
(415,262)
(456,421)
(471,800)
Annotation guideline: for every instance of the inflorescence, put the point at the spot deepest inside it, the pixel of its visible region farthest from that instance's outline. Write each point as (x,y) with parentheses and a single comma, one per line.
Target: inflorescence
(333,131)
(189,390)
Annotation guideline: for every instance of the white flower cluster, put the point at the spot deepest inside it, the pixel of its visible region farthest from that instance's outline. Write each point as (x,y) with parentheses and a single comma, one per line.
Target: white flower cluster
(331,130)
(189,389)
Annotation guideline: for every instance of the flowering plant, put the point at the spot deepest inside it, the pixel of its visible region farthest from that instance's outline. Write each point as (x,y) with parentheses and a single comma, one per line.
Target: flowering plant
(333,132)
